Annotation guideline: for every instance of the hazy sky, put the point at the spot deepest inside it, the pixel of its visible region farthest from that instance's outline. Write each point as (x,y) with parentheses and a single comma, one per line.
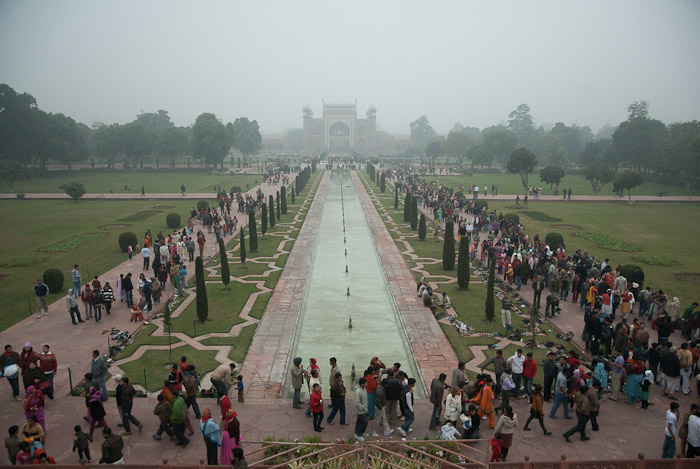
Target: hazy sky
(455,61)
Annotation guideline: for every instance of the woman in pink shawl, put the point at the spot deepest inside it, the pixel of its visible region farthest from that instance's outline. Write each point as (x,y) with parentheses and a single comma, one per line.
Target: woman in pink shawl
(34,405)
(122,293)
(230,437)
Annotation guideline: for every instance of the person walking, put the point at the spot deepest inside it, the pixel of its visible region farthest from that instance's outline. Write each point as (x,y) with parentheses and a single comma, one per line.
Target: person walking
(41,291)
(516,365)
(98,368)
(505,427)
(212,437)
(537,409)
(75,276)
(230,436)
(177,418)
(191,384)
(9,363)
(72,305)
(127,400)
(128,287)
(437,391)
(297,380)
(337,399)
(380,411)
(96,410)
(670,432)
(560,394)
(107,298)
(617,373)
(409,411)
(529,372)
(550,375)
(163,410)
(146,254)
(361,407)
(582,414)
(112,448)
(49,365)
(316,406)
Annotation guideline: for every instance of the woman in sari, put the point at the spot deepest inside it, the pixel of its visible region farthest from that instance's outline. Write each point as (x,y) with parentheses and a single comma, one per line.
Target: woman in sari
(34,405)
(230,437)
(485,398)
(96,411)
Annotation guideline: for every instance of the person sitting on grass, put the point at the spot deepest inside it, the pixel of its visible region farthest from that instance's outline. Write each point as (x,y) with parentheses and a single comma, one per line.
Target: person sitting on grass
(444,301)
(137,314)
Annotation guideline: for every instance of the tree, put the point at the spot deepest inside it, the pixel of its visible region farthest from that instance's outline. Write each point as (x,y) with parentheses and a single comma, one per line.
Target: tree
(407,207)
(421,130)
(74,189)
(201,289)
(414,213)
(263,219)
(627,182)
(432,151)
(598,151)
(158,122)
(421,228)
(490,302)
(499,144)
(598,175)
(242,247)
(210,140)
(448,247)
(137,143)
(12,171)
(279,210)
(479,156)
(167,327)
(396,196)
(382,185)
(521,121)
(551,175)
(283,194)
(173,142)
(463,272)
(246,137)
(108,143)
(635,141)
(457,144)
(291,192)
(271,211)
(225,270)
(252,232)
(638,110)
(522,161)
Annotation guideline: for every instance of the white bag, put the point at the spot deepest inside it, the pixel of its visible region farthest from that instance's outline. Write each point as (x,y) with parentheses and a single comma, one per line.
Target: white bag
(11,371)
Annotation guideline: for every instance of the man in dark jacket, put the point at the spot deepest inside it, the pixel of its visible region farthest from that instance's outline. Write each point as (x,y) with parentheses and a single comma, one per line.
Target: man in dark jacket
(112,448)
(582,414)
(437,391)
(393,393)
(550,373)
(128,392)
(163,410)
(671,369)
(10,357)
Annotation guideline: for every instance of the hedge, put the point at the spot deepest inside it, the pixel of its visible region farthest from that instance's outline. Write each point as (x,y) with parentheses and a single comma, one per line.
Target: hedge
(554,240)
(127,239)
(173,220)
(53,278)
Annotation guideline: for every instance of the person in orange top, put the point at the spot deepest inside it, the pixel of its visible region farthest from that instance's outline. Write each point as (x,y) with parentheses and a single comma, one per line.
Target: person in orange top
(371,389)
(485,400)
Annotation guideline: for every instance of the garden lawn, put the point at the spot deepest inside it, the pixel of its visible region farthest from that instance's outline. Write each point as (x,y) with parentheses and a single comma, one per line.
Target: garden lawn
(120,181)
(224,308)
(144,337)
(156,364)
(239,344)
(32,225)
(510,184)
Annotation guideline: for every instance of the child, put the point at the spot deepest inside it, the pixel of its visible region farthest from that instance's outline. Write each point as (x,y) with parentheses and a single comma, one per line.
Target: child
(24,455)
(80,442)
(183,275)
(239,386)
(12,443)
(496,446)
(646,386)
(536,409)
(137,314)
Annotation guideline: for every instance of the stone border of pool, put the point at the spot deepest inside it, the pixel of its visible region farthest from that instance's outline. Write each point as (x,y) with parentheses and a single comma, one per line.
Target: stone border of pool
(431,349)
(269,351)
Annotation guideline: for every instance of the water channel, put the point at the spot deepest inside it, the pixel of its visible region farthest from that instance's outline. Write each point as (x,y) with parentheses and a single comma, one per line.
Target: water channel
(322,329)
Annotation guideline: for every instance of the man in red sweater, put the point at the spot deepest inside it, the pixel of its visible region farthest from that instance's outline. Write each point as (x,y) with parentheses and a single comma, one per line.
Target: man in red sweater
(48,364)
(529,372)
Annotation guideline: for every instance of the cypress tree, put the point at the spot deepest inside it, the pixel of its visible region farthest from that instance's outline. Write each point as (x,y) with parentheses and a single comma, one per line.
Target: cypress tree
(448,247)
(242,247)
(279,212)
(463,272)
(396,196)
(490,304)
(167,327)
(252,232)
(421,228)
(263,219)
(292,194)
(296,183)
(271,212)
(202,303)
(407,207)
(383,183)
(225,271)
(283,193)
(414,213)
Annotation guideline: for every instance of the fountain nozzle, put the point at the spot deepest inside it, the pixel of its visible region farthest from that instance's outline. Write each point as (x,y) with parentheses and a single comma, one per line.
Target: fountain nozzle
(348,293)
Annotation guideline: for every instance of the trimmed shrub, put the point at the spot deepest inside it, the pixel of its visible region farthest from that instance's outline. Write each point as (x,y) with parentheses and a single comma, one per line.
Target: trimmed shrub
(53,278)
(407,207)
(625,270)
(252,232)
(490,302)
(513,216)
(463,271)
(236,189)
(279,211)
(173,220)
(283,194)
(382,184)
(242,247)
(421,228)
(263,219)
(202,204)
(292,194)
(225,270)
(202,302)
(554,240)
(271,212)
(448,247)
(480,205)
(396,196)
(127,239)
(414,213)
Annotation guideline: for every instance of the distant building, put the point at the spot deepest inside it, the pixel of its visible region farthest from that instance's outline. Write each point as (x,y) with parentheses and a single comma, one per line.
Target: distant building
(340,129)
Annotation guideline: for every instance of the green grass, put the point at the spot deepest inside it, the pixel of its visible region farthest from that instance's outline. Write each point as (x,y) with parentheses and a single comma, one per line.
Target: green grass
(239,344)
(224,308)
(510,184)
(259,306)
(144,337)
(154,181)
(32,224)
(156,364)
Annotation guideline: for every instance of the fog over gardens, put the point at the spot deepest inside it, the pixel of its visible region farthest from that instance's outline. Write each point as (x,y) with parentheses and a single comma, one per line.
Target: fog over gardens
(455,61)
